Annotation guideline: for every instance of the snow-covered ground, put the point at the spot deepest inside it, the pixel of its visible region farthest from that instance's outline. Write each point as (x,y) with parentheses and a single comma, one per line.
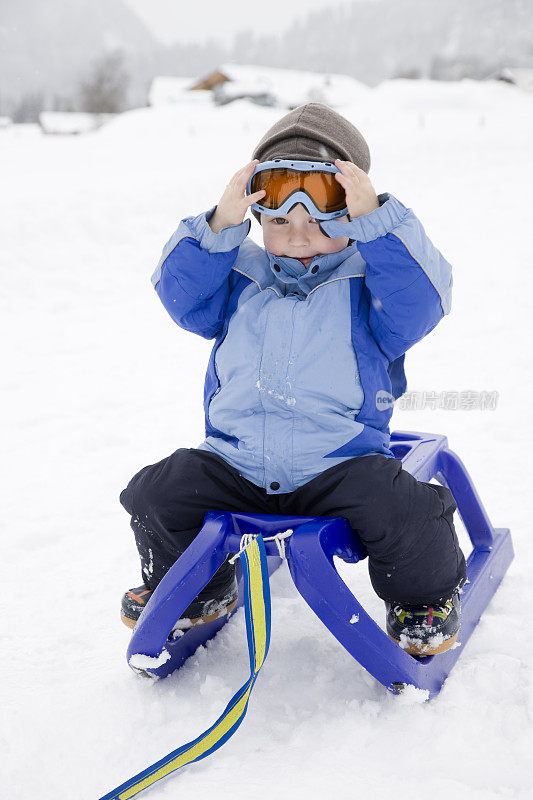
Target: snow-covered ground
(97,382)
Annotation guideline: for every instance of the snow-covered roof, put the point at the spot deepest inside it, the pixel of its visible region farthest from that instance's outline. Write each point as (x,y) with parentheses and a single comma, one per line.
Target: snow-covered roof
(290,87)
(70,122)
(520,76)
(166,89)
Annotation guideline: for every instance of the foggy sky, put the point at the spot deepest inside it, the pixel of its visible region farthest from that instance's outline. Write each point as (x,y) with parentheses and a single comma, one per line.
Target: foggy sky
(176,21)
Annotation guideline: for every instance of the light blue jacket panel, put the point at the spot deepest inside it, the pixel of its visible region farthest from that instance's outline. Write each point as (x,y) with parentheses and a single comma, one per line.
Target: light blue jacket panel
(306,362)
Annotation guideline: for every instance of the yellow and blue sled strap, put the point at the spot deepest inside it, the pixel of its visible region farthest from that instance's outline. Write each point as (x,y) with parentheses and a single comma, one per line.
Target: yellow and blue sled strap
(257,609)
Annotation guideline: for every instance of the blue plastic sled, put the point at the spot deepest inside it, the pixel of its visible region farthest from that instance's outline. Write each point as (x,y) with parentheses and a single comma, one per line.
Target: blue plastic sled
(310,551)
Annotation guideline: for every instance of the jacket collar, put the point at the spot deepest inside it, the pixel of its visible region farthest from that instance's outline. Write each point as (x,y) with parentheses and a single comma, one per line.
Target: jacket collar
(290,275)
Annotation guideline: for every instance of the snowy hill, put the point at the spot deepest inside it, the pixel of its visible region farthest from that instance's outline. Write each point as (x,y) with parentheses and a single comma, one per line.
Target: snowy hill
(98,381)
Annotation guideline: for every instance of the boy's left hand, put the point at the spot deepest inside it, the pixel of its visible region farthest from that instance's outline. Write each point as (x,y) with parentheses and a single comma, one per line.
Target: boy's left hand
(360,195)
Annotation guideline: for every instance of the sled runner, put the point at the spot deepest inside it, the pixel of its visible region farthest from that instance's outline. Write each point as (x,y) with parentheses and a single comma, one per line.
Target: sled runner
(309,544)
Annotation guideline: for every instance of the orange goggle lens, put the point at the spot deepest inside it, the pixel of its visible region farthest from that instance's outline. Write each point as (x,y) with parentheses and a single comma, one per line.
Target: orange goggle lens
(327,193)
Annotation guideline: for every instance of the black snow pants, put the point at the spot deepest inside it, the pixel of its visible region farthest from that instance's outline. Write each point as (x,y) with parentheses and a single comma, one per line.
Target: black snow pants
(406,525)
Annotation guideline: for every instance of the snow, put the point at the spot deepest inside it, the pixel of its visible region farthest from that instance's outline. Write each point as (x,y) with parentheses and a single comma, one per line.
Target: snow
(97,382)
(166,89)
(71,122)
(141,661)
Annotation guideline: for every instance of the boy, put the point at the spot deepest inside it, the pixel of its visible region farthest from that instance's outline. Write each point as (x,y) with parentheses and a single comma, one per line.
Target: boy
(310,335)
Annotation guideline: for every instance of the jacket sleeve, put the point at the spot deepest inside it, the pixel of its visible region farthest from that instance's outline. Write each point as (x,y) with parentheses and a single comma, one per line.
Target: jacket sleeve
(409,281)
(192,277)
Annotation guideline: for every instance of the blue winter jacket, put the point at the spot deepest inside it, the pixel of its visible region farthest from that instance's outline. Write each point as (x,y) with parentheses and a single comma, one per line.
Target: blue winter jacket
(306,362)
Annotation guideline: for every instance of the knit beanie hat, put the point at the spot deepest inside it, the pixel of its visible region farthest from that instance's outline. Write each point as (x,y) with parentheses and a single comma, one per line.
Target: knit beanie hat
(313,132)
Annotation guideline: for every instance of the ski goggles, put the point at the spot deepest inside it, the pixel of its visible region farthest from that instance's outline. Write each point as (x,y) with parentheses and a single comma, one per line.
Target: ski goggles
(287,182)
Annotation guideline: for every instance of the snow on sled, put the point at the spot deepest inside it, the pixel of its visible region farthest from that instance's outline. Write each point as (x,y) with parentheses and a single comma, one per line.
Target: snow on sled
(309,550)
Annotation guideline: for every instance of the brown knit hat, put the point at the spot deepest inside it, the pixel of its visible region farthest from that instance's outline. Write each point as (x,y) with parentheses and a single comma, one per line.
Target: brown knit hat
(313,132)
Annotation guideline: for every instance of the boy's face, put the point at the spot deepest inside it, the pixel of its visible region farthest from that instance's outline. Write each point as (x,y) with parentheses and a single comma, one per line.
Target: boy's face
(297,235)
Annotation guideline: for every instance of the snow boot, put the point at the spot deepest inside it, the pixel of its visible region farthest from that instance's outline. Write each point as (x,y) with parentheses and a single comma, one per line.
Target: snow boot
(425,630)
(203,608)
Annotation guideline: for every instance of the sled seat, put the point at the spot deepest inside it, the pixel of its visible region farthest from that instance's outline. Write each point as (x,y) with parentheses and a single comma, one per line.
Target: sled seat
(310,552)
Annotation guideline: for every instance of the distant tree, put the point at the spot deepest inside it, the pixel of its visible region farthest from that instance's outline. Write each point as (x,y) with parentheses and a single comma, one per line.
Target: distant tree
(63,103)
(105,89)
(409,73)
(28,108)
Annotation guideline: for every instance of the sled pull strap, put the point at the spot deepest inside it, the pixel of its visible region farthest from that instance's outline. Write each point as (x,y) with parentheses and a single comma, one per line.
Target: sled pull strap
(257,610)
(279,538)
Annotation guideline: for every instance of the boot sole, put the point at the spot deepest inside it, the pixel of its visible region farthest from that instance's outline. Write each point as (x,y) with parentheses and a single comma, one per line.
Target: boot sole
(130,623)
(424,650)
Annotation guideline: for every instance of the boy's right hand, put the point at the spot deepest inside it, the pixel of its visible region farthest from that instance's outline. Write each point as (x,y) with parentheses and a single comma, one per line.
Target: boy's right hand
(234,203)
